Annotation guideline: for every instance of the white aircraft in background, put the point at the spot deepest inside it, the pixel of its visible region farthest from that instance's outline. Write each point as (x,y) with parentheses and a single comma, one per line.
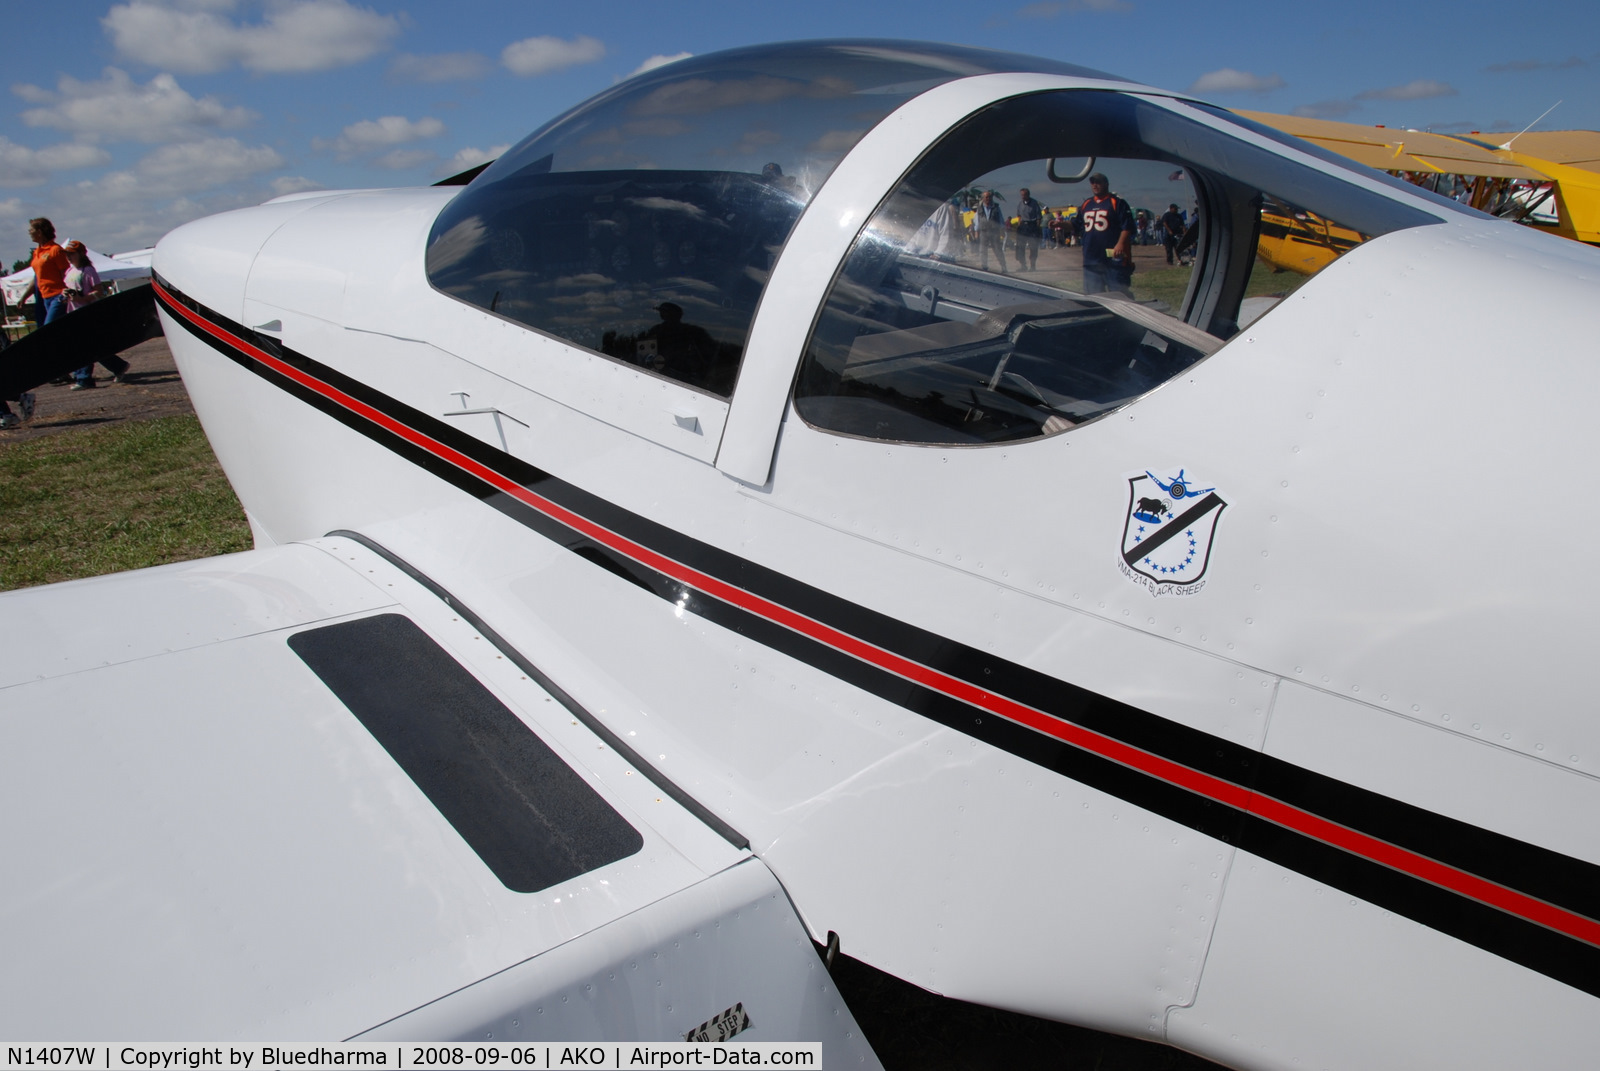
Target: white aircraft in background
(660,564)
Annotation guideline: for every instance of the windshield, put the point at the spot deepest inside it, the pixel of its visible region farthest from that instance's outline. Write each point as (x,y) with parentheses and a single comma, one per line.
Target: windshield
(643,224)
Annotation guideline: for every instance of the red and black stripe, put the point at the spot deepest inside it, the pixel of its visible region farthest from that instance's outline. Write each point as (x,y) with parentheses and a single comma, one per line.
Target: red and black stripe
(1529,904)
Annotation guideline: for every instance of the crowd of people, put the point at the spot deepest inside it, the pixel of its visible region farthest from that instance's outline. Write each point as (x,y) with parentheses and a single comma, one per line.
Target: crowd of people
(64,280)
(1105,226)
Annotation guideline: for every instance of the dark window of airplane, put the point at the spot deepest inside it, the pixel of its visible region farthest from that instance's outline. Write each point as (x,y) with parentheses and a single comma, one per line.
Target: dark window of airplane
(643,224)
(964,314)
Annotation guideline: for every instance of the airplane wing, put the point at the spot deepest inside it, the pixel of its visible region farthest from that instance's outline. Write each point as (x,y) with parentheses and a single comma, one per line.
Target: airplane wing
(1398,150)
(110,325)
(1562,162)
(1572,160)
(315,801)
(1575,148)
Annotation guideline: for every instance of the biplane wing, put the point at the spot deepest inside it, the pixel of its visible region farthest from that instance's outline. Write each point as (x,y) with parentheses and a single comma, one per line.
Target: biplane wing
(1573,148)
(1506,174)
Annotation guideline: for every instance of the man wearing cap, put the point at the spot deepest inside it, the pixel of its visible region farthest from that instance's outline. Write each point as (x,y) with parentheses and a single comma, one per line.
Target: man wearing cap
(1107,225)
(989,226)
(1171,231)
(1030,227)
(83,289)
(682,351)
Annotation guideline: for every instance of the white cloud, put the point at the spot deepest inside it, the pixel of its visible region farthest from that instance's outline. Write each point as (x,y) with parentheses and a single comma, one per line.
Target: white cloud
(370,135)
(470,157)
(122,212)
(1228,80)
(1523,66)
(403,159)
(1051,8)
(439,67)
(659,61)
(296,35)
(545,55)
(201,165)
(697,96)
(11,208)
(116,108)
(286,184)
(1419,89)
(836,141)
(22,166)
(171,185)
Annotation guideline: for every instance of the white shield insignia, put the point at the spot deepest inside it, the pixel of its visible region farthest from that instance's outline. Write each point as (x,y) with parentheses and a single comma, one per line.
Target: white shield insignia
(1167,539)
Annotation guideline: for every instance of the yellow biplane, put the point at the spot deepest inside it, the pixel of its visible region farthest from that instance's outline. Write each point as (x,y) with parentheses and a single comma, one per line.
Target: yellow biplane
(1548,180)
(1297,240)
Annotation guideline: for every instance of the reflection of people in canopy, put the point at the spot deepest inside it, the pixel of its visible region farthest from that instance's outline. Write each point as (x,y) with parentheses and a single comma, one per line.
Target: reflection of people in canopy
(772,174)
(942,235)
(684,351)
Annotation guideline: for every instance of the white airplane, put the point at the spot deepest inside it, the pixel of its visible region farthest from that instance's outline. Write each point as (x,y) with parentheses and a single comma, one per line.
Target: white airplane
(660,566)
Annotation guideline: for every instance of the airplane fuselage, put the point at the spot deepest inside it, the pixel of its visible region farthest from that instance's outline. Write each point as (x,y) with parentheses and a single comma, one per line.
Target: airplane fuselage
(1232,716)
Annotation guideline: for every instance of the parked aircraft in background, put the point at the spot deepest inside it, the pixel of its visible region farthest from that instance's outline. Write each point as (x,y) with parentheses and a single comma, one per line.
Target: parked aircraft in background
(659,567)
(1548,180)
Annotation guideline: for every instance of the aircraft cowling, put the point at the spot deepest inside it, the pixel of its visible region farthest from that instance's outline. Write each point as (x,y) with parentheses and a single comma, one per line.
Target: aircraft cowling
(219,251)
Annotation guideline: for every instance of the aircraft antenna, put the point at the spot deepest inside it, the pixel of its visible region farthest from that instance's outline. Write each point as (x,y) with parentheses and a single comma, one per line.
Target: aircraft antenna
(1533,124)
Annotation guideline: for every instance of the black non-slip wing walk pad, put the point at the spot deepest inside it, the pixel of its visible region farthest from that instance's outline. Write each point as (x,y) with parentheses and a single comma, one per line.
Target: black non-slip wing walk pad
(108,326)
(532,819)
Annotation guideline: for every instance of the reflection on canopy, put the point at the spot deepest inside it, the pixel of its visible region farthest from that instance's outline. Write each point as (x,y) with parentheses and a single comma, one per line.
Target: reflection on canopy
(676,190)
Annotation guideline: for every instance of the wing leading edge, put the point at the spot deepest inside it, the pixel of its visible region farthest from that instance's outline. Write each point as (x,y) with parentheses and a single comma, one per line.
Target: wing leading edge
(292,794)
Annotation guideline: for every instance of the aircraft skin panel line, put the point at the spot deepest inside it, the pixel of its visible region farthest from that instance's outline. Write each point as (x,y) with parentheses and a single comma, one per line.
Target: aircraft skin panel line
(320,913)
(660,780)
(1527,904)
(738,918)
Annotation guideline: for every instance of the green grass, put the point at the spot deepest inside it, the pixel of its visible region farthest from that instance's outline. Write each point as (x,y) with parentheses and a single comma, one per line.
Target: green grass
(1170,284)
(1265,280)
(1164,284)
(108,499)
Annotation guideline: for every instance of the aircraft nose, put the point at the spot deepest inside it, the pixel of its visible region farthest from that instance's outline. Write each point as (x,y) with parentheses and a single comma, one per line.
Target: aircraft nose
(209,260)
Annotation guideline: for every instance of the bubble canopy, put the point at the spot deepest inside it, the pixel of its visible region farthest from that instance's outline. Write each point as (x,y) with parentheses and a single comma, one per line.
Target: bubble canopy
(643,223)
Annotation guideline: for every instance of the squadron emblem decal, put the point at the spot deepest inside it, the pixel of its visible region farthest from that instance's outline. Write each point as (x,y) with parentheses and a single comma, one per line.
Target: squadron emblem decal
(1166,541)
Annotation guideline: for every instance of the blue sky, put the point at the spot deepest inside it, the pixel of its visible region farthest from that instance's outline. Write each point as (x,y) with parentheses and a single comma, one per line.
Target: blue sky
(121,120)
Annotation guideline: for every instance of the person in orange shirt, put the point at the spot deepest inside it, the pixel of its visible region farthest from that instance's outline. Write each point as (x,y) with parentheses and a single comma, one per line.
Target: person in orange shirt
(50,267)
(49,283)
(49,271)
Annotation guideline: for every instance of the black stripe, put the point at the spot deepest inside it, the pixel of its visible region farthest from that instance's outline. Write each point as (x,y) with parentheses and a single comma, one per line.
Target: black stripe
(1558,879)
(1176,525)
(1307,236)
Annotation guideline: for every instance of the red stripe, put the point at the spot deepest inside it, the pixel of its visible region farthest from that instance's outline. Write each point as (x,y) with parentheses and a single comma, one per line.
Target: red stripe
(1247,800)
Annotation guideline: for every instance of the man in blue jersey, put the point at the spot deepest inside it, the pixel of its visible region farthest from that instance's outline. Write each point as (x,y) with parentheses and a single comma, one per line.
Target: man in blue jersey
(1107,225)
